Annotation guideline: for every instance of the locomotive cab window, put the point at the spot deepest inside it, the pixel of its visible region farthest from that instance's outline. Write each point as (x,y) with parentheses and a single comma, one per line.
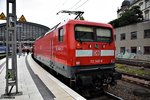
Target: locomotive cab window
(84,33)
(92,33)
(103,35)
(61,35)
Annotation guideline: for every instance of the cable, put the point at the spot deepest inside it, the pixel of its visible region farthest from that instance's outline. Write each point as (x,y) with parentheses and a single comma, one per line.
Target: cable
(82,4)
(75,4)
(59,5)
(72,8)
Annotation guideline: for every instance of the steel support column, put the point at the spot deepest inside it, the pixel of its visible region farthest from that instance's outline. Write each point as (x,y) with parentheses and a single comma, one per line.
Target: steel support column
(11,43)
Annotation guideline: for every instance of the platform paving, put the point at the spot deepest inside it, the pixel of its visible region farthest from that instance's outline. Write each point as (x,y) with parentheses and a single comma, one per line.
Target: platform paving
(35,83)
(26,84)
(60,90)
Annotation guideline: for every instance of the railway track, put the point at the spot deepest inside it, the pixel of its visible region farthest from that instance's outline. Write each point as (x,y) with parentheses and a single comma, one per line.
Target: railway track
(97,95)
(106,96)
(112,96)
(136,76)
(138,63)
(143,81)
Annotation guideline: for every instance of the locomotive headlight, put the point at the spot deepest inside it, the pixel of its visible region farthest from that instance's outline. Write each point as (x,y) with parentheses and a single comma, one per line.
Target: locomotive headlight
(90,46)
(77,62)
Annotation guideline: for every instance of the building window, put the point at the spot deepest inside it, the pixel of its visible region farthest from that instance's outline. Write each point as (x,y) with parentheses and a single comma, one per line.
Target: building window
(141,5)
(122,36)
(133,49)
(147,15)
(147,2)
(147,33)
(146,49)
(133,35)
(122,50)
(61,35)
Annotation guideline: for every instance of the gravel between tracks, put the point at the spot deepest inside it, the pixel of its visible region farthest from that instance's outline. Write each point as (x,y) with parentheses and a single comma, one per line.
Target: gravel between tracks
(125,90)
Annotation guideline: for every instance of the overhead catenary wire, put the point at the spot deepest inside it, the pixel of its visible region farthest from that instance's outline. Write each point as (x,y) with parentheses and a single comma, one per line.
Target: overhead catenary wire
(77,5)
(62,18)
(75,8)
(82,4)
(58,6)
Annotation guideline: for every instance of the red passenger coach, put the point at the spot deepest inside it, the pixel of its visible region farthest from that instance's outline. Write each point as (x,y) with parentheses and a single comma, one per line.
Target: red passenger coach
(79,50)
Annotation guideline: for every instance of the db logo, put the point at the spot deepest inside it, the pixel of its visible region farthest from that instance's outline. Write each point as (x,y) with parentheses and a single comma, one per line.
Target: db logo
(96,53)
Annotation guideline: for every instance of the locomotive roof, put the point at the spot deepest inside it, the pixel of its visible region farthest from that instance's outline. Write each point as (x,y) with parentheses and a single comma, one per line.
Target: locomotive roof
(88,22)
(82,22)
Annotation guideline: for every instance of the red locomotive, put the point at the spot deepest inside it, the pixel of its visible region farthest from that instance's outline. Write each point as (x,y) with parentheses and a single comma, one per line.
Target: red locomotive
(81,51)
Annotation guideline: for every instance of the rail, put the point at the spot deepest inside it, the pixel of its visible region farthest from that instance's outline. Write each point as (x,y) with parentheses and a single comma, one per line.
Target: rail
(112,96)
(105,96)
(100,95)
(136,76)
(134,62)
(143,81)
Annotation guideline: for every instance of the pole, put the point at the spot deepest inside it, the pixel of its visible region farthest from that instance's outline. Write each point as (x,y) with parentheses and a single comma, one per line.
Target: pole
(11,47)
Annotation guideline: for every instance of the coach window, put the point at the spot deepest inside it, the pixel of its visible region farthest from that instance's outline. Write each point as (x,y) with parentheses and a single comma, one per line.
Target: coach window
(61,35)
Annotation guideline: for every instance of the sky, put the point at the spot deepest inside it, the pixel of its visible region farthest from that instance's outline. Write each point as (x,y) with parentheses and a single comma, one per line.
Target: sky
(44,11)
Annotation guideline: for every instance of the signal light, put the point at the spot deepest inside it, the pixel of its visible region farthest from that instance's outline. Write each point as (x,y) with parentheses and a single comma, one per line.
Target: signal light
(90,46)
(103,46)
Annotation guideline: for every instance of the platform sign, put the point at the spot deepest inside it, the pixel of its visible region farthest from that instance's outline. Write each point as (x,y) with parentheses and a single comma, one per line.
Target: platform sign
(2,16)
(22,19)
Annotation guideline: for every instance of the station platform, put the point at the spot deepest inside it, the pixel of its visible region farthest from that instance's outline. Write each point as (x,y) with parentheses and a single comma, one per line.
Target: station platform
(35,83)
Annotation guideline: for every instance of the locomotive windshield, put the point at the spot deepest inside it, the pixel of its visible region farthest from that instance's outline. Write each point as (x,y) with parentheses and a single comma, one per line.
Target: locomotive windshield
(103,35)
(83,33)
(96,34)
